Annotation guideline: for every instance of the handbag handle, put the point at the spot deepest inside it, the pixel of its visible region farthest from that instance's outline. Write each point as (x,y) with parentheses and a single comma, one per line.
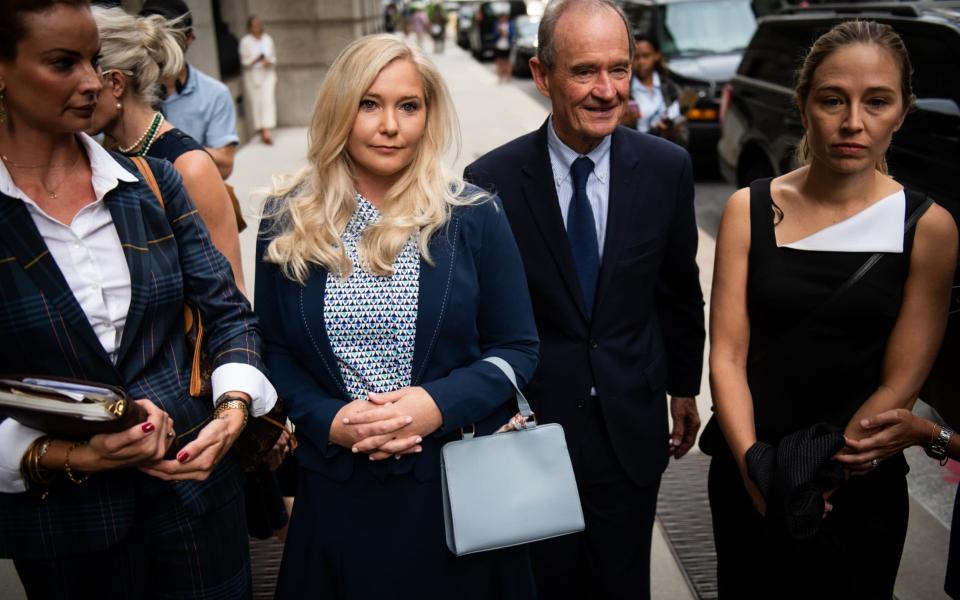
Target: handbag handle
(522,405)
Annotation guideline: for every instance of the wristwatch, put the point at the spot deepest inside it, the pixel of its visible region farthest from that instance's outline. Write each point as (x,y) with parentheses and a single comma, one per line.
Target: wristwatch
(939,443)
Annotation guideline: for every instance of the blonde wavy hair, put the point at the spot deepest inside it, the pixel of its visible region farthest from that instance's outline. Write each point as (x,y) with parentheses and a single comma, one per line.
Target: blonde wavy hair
(145,49)
(312,208)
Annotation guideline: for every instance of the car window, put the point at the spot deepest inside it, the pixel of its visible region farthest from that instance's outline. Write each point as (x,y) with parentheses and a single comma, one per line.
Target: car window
(511,8)
(933,55)
(640,17)
(527,28)
(708,27)
(777,51)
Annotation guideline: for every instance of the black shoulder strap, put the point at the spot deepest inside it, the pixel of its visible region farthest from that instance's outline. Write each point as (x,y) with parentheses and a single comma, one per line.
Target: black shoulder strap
(846,285)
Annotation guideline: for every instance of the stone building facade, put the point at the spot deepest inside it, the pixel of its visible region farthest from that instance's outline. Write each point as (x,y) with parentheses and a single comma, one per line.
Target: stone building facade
(308,35)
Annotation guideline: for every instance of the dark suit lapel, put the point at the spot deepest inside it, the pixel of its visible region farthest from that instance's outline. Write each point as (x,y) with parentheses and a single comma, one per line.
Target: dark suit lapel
(540,193)
(434,294)
(626,185)
(128,220)
(24,241)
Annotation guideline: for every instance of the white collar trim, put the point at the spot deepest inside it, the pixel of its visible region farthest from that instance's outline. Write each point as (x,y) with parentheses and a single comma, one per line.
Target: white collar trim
(877,228)
(107,172)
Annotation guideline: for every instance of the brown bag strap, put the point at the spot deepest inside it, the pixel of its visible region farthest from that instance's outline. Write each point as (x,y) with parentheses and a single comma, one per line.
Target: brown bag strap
(190,313)
(147,173)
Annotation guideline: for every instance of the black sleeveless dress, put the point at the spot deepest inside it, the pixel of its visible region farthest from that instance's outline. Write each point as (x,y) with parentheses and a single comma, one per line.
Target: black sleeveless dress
(172,144)
(821,371)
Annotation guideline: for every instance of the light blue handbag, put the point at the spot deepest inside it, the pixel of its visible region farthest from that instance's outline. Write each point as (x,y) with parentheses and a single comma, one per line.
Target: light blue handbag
(508,488)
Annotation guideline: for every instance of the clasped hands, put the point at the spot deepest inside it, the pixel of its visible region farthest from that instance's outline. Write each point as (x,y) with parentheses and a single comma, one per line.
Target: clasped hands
(388,424)
(144,446)
(881,436)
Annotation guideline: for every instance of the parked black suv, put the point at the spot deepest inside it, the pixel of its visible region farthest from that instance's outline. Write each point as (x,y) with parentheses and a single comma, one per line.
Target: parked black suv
(702,42)
(761,126)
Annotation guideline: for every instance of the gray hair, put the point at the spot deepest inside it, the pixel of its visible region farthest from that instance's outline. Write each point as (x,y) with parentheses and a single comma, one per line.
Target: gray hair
(145,49)
(546,40)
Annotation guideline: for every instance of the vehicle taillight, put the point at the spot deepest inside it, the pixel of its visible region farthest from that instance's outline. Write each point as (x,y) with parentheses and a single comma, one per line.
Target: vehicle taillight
(725,97)
(697,113)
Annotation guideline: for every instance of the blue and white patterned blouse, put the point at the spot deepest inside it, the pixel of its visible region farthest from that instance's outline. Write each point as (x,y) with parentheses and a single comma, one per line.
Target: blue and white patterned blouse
(371,319)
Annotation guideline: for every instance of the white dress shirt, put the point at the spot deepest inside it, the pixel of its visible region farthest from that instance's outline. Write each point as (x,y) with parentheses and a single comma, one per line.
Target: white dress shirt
(89,254)
(598,182)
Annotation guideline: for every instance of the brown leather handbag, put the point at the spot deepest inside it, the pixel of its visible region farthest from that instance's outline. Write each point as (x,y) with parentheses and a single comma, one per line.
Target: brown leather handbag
(260,434)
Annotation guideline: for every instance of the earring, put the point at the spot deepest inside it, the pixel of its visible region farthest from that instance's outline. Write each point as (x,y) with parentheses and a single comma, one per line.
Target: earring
(119,106)
(3,109)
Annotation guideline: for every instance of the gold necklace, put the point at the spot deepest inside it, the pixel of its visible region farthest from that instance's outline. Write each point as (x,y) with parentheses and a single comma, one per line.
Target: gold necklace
(48,166)
(52,193)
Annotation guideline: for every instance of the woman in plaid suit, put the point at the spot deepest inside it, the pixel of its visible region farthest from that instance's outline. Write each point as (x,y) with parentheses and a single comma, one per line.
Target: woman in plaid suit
(94,273)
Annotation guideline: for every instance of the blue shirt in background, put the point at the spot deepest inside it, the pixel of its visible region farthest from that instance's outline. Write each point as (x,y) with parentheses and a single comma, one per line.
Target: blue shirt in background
(203,109)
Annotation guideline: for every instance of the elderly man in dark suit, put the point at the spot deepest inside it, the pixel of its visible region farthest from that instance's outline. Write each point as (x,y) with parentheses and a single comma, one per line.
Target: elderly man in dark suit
(604,219)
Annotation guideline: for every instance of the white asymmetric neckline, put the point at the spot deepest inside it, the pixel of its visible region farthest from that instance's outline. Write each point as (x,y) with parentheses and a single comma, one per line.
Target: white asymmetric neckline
(877,228)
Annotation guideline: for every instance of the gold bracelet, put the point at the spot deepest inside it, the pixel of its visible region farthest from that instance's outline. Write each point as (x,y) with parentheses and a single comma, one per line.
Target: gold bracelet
(236,404)
(66,464)
(30,464)
(40,450)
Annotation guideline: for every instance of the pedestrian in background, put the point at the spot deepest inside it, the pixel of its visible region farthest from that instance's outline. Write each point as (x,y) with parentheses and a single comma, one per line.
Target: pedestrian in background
(604,220)
(501,48)
(96,273)
(438,26)
(654,98)
(790,354)
(382,282)
(390,17)
(198,104)
(259,59)
(419,23)
(136,54)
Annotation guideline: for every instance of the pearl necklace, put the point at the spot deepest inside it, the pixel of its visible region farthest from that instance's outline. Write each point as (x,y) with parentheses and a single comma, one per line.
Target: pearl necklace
(152,136)
(147,135)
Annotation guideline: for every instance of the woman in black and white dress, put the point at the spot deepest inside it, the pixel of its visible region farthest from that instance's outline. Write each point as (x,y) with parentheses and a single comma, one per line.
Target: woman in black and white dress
(785,246)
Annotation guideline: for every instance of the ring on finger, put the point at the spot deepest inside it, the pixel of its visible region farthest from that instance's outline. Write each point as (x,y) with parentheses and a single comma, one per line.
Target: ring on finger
(874,463)
(171,434)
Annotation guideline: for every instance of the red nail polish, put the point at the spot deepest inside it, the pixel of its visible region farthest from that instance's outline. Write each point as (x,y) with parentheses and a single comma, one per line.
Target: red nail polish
(182,457)
(147,427)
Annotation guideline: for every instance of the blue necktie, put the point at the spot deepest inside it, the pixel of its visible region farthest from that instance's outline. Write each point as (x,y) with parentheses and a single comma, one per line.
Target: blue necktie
(582,232)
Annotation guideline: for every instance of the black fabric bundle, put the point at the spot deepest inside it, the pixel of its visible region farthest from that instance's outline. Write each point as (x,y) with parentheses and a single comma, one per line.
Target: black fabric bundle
(793,476)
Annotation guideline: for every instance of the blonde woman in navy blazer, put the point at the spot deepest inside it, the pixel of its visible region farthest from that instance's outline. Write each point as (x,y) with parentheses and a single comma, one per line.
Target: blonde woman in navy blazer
(375,231)
(94,273)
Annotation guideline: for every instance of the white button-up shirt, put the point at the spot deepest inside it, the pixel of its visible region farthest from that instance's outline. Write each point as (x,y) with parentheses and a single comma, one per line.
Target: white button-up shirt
(89,254)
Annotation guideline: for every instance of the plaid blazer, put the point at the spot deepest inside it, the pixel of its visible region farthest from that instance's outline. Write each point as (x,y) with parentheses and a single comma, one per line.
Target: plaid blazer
(43,330)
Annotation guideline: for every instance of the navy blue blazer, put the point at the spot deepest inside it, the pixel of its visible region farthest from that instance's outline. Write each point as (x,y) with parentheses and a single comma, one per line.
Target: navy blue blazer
(473,303)
(646,334)
(43,330)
